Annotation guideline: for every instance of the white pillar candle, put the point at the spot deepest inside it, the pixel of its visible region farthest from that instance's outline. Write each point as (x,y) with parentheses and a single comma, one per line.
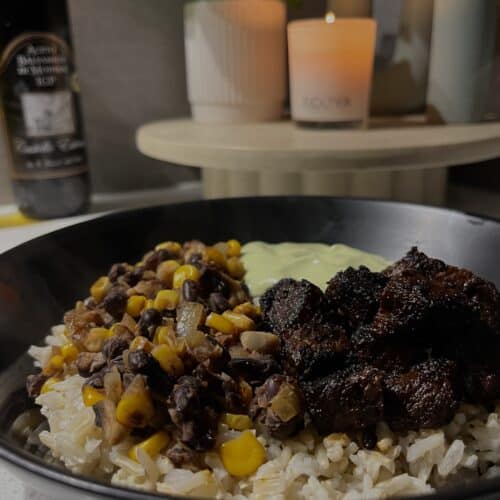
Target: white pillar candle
(331,65)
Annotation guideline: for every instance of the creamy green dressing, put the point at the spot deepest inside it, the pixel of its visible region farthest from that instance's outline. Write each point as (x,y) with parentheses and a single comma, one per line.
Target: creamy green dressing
(267,263)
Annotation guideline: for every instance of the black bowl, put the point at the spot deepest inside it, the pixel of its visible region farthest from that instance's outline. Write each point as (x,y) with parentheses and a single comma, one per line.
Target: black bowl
(40,279)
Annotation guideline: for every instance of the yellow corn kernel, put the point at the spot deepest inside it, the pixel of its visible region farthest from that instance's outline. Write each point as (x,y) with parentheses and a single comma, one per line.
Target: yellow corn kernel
(135,304)
(181,346)
(69,352)
(99,288)
(168,359)
(91,396)
(237,422)
(248,309)
(118,329)
(166,299)
(150,303)
(152,445)
(47,385)
(219,323)
(55,364)
(215,256)
(164,335)
(135,408)
(171,246)
(243,455)
(165,271)
(95,339)
(241,322)
(233,248)
(141,344)
(185,272)
(235,267)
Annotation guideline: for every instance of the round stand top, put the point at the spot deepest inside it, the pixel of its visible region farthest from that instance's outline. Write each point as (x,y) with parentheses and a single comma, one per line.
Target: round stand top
(285,147)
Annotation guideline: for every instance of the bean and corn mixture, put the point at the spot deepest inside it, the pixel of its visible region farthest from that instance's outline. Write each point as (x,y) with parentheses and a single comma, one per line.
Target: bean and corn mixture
(173,350)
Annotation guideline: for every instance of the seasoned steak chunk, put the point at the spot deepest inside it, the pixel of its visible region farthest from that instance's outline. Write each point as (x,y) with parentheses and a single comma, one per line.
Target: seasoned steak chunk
(395,353)
(313,349)
(292,303)
(354,295)
(418,262)
(346,400)
(426,396)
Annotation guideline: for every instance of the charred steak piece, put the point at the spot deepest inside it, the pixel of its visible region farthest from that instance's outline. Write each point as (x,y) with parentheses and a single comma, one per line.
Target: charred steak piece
(418,262)
(426,396)
(292,303)
(455,294)
(478,357)
(346,400)
(311,344)
(405,345)
(313,349)
(354,295)
(395,353)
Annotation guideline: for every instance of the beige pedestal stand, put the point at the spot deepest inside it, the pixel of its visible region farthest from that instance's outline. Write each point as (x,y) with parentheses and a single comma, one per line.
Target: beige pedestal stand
(404,163)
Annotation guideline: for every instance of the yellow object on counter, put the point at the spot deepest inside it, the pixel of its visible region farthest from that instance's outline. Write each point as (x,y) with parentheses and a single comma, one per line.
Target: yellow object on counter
(15,219)
(267,263)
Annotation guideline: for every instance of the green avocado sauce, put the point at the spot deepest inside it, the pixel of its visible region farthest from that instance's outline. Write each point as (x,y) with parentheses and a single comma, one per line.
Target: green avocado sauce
(267,263)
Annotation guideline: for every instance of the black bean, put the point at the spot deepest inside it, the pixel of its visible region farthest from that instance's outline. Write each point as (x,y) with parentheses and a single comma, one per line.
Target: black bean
(133,277)
(115,302)
(34,384)
(150,319)
(181,455)
(139,361)
(211,281)
(217,302)
(190,290)
(114,346)
(116,271)
(254,371)
(96,380)
(153,259)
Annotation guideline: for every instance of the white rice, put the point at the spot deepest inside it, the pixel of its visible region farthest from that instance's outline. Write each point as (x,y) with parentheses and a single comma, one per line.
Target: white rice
(305,467)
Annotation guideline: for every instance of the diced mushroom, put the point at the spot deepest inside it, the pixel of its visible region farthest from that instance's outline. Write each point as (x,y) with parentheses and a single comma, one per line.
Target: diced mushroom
(263,342)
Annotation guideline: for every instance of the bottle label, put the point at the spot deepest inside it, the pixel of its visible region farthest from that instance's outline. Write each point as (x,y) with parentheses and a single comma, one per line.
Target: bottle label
(41,109)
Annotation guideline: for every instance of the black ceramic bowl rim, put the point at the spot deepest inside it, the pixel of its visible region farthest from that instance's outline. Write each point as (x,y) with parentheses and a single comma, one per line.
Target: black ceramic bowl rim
(20,459)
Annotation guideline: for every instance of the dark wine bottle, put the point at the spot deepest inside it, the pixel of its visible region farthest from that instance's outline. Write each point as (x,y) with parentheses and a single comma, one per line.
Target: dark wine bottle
(40,109)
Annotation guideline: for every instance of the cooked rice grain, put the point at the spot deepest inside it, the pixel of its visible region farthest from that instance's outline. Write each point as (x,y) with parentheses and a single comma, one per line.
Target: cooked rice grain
(333,467)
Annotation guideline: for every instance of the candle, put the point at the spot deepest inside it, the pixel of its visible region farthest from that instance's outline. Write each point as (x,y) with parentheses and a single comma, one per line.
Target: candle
(331,65)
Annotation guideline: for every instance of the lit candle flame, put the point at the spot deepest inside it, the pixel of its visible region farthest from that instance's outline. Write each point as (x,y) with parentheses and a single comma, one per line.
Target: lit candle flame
(330,17)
